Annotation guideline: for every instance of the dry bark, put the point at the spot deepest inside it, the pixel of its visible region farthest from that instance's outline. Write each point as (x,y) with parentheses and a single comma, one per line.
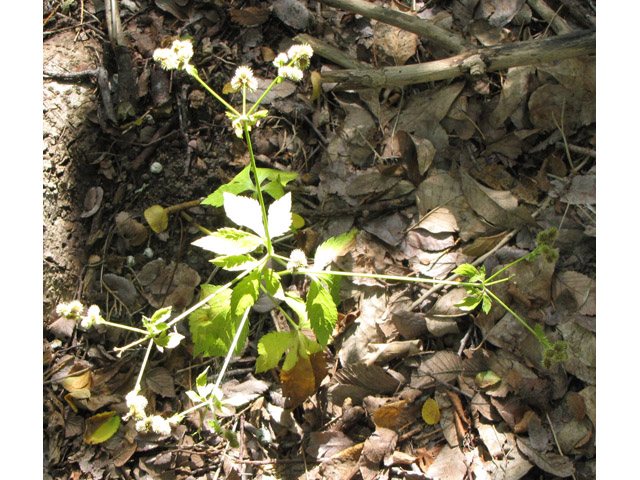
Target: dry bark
(476,61)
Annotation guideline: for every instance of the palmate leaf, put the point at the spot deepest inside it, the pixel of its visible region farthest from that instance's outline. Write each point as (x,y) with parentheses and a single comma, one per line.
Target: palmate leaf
(275,181)
(234,263)
(211,329)
(466,270)
(333,248)
(279,217)
(272,347)
(244,211)
(322,311)
(245,294)
(469,303)
(229,241)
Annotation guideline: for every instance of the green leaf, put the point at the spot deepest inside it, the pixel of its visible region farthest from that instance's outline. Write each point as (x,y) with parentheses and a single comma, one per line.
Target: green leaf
(322,311)
(272,282)
(466,270)
(244,211)
(245,293)
(292,357)
(101,427)
(271,347)
(201,380)
(279,217)
(211,329)
(161,315)
(242,183)
(239,184)
(297,305)
(469,303)
(333,248)
(486,304)
(229,241)
(234,263)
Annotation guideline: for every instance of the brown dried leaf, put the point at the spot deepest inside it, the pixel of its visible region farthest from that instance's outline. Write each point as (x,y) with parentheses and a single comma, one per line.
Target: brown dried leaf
(303,379)
(496,206)
(552,463)
(400,45)
(292,13)
(327,444)
(92,201)
(160,381)
(133,231)
(121,287)
(444,365)
(249,16)
(378,447)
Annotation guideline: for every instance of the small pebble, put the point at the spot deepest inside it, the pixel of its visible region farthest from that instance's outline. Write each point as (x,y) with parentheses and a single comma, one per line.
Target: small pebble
(156,167)
(148,252)
(131,261)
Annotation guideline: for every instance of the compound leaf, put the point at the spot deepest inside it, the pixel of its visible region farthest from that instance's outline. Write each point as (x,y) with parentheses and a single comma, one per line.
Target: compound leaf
(271,348)
(334,247)
(230,241)
(245,293)
(279,218)
(244,211)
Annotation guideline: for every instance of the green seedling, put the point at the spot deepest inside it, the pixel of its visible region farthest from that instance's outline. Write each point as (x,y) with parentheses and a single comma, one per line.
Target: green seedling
(219,320)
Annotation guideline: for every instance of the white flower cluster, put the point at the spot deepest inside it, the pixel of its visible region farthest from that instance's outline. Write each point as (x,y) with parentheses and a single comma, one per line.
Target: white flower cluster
(291,64)
(297,260)
(145,424)
(244,77)
(73,311)
(176,57)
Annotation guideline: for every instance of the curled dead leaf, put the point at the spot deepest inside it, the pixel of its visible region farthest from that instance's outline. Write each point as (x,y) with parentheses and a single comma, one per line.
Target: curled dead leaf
(131,230)
(157,218)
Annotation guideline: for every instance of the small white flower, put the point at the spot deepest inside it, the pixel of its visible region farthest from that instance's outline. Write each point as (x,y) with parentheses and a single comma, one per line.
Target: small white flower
(144,425)
(281,60)
(92,318)
(70,310)
(292,73)
(137,404)
(244,76)
(298,259)
(301,55)
(160,425)
(176,57)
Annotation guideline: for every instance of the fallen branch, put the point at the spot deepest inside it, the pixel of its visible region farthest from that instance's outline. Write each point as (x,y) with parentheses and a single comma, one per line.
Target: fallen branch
(499,57)
(424,28)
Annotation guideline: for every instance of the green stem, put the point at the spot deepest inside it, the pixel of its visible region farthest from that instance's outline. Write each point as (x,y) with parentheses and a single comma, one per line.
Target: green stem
(144,364)
(507,267)
(133,344)
(217,97)
(232,347)
(255,105)
(274,300)
(542,340)
(389,277)
(124,327)
(254,170)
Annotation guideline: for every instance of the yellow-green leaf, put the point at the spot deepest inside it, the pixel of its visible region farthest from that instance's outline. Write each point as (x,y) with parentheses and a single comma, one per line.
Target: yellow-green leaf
(486,379)
(298,221)
(431,412)
(157,218)
(101,427)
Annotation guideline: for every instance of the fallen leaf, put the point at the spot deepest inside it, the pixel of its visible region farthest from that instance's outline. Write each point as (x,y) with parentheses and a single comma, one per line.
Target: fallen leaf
(101,427)
(249,16)
(327,444)
(131,230)
(398,44)
(121,287)
(377,448)
(160,381)
(92,202)
(157,218)
(552,463)
(292,13)
(301,381)
(431,412)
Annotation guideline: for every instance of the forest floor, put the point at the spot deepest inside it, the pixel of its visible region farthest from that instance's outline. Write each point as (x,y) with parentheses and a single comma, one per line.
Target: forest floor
(434,172)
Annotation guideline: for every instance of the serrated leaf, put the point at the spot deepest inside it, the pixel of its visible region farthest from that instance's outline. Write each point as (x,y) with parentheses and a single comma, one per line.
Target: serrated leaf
(242,183)
(297,305)
(245,294)
(161,315)
(239,184)
(193,396)
(272,282)
(230,241)
(486,304)
(271,348)
(244,211)
(332,248)
(279,217)
(234,263)
(466,270)
(322,311)
(101,427)
(469,303)
(431,412)
(211,328)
